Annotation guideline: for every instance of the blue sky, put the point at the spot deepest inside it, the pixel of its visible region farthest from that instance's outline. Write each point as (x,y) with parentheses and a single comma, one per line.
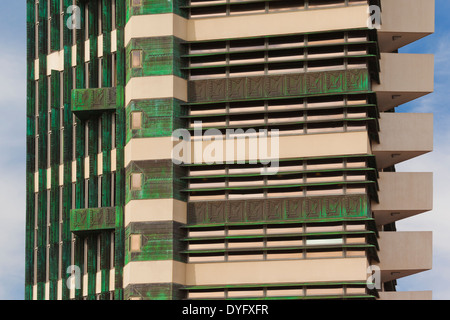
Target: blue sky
(436,220)
(12,160)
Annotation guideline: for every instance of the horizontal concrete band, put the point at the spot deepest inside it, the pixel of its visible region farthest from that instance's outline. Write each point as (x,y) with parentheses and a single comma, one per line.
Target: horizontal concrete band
(405,21)
(403,194)
(403,78)
(156,87)
(406,295)
(404,253)
(155,210)
(226,273)
(296,146)
(255,25)
(403,136)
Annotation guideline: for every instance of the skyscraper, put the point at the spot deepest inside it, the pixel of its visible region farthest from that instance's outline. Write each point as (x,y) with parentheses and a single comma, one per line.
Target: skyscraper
(118,207)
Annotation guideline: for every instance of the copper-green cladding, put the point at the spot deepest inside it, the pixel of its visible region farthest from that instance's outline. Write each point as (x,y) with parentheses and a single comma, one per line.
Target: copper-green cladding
(92,219)
(160,179)
(42,151)
(159,117)
(54,187)
(79,141)
(279,86)
(119,251)
(156,7)
(55,21)
(50,100)
(155,291)
(278,210)
(159,241)
(106,122)
(158,56)
(66,235)
(30,162)
(93,146)
(86,102)
(67,155)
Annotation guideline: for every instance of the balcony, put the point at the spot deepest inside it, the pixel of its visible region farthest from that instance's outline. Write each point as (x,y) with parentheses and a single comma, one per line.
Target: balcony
(92,219)
(405,21)
(404,253)
(403,136)
(88,102)
(403,78)
(403,194)
(406,295)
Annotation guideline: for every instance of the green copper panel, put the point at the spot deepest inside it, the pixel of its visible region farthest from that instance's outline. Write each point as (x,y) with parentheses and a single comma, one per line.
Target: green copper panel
(30,158)
(159,56)
(286,85)
(155,7)
(159,241)
(277,210)
(54,25)
(100,99)
(155,291)
(159,118)
(92,266)
(92,219)
(160,179)
(120,154)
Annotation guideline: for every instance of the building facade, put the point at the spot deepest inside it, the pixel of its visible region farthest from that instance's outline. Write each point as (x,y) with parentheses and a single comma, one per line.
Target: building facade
(114,213)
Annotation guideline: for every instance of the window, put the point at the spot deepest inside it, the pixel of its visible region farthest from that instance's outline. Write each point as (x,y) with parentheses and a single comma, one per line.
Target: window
(135,242)
(136,58)
(136,181)
(136,3)
(136,120)
(113,14)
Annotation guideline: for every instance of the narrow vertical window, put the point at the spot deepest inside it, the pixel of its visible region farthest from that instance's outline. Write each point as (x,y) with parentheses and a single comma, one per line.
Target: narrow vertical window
(100,16)
(136,120)
(136,58)
(136,181)
(113,14)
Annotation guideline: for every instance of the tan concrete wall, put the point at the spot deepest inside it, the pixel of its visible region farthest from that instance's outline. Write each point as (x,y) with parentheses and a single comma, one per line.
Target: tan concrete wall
(403,136)
(156,87)
(286,271)
(404,253)
(155,210)
(164,271)
(278,23)
(405,132)
(406,295)
(403,194)
(254,272)
(404,77)
(329,144)
(405,21)
(251,25)
(408,16)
